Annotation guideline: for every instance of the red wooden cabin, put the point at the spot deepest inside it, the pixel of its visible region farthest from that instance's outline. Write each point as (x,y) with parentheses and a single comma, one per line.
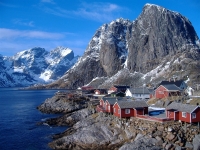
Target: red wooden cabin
(164,91)
(110,102)
(183,112)
(106,104)
(125,109)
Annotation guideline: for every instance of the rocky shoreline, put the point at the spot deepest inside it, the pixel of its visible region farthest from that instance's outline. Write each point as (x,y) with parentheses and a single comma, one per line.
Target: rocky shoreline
(91,130)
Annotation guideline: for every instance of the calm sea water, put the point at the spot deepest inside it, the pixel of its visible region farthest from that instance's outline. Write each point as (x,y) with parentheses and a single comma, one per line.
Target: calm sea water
(19,117)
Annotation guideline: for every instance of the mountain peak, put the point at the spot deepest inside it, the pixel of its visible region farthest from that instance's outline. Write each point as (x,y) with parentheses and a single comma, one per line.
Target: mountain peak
(35,65)
(148,5)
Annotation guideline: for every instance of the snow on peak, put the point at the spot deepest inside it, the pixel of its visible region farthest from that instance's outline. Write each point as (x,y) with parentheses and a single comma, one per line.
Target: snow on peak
(64,51)
(149,6)
(35,65)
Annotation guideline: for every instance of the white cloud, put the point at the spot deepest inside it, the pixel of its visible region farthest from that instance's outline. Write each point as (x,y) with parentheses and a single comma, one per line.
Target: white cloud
(11,33)
(23,23)
(101,12)
(13,41)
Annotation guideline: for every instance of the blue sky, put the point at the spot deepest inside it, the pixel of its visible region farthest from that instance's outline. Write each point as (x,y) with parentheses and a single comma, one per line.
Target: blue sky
(26,24)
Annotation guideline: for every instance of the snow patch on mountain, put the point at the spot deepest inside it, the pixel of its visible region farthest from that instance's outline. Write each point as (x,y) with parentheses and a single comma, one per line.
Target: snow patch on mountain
(35,66)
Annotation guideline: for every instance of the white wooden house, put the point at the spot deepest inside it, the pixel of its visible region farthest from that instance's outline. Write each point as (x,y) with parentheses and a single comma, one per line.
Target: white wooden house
(138,93)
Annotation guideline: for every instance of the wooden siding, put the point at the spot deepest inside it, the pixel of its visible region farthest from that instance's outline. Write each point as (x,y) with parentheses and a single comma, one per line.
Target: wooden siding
(161,92)
(184,119)
(115,110)
(146,110)
(101,102)
(139,112)
(197,112)
(178,115)
(124,115)
(109,107)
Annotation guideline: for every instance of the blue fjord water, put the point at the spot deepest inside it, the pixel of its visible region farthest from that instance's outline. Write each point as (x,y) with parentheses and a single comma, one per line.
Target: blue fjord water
(19,117)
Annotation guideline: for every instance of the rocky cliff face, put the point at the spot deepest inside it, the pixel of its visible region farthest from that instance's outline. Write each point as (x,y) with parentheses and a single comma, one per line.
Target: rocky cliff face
(155,34)
(157,45)
(35,66)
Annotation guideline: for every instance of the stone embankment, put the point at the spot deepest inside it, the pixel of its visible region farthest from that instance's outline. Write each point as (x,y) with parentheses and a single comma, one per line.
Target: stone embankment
(91,130)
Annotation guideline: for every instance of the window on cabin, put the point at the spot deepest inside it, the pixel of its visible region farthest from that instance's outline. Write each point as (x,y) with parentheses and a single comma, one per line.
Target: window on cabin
(108,107)
(127,111)
(193,115)
(119,111)
(114,110)
(184,114)
(160,92)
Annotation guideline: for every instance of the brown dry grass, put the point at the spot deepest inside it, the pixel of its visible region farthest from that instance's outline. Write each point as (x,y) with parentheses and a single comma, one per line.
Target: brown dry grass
(195,100)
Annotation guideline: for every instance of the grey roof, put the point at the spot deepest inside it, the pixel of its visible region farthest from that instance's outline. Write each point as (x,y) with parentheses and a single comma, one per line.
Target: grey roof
(141,90)
(151,90)
(172,87)
(132,104)
(112,98)
(121,86)
(177,82)
(181,107)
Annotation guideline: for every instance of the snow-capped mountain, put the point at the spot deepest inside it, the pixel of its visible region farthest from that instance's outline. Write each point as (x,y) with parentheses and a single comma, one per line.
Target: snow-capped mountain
(159,44)
(35,66)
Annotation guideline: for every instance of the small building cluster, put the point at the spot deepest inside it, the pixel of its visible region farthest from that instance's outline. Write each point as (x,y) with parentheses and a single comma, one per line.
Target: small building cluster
(125,102)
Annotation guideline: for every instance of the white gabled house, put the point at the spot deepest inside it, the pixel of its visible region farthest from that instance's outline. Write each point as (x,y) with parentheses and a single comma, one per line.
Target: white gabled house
(138,93)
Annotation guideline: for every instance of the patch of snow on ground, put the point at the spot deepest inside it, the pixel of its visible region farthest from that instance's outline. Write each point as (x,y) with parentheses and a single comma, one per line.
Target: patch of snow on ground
(126,63)
(186,81)
(158,71)
(18,69)
(189,90)
(46,75)
(177,60)
(93,80)
(156,108)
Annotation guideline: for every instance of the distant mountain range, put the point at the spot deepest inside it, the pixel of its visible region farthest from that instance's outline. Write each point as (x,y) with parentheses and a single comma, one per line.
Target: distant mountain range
(158,45)
(35,66)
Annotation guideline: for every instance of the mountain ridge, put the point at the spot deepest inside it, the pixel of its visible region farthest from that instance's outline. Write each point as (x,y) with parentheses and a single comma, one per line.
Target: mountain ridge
(35,66)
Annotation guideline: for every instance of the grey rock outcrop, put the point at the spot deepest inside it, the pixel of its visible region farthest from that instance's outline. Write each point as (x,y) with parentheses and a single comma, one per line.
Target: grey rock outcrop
(61,104)
(196,142)
(143,143)
(158,33)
